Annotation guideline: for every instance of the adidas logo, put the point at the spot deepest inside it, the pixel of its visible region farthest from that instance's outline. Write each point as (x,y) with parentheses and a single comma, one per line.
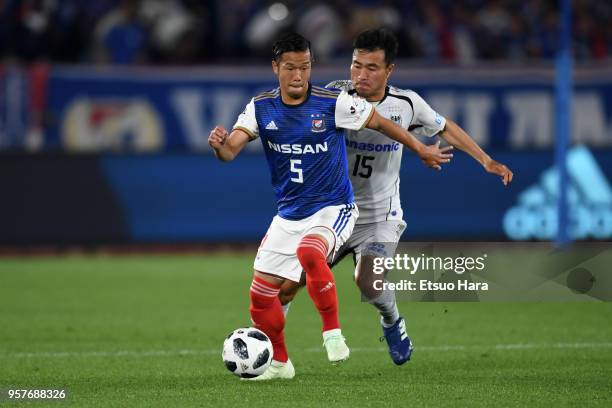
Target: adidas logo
(327,287)
(271,126)
(589,200)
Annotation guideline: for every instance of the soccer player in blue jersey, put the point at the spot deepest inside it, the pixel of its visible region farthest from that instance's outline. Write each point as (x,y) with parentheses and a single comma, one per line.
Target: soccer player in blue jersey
(300,128)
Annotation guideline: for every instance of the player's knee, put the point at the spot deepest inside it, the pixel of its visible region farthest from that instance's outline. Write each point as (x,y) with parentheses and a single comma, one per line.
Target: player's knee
(311,251)
(367,288)
(365,277)
(304,257)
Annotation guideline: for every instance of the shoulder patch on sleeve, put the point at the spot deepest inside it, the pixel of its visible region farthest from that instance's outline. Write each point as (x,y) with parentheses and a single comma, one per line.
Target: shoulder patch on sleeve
(343,84)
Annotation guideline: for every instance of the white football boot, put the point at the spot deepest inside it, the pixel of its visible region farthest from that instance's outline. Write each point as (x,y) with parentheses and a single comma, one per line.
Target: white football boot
(277,370)
(337,350)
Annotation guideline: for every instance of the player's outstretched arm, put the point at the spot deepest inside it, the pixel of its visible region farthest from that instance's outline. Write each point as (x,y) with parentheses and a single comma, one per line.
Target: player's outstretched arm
(457,137)
(227,146)
(432,156)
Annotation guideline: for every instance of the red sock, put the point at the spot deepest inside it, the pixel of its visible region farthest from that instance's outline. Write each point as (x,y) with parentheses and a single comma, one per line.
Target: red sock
(267,315)
(312,254)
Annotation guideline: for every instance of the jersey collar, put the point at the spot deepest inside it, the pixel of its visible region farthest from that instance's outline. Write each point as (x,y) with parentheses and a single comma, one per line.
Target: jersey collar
(376,103)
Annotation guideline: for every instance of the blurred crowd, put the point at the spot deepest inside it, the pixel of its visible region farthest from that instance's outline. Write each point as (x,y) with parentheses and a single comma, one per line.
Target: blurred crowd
(188,32)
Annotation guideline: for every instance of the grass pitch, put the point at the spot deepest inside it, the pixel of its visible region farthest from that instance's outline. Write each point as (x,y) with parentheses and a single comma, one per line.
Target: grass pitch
(147,331)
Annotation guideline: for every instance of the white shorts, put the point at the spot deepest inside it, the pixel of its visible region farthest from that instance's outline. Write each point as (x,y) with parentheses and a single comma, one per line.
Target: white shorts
(378,238)
(277,253)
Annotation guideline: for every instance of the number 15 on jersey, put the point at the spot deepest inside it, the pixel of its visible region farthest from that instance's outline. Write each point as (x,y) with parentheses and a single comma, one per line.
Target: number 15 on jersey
(361,163)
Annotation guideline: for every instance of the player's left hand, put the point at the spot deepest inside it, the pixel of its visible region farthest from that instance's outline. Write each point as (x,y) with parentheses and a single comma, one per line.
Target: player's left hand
(501,170)
(432,156)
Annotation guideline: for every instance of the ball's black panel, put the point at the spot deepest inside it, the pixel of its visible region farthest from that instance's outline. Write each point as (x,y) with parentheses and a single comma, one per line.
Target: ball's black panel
(258,335)
(245,375)
(240,331)
(240,349)
(262,359)
(231,365)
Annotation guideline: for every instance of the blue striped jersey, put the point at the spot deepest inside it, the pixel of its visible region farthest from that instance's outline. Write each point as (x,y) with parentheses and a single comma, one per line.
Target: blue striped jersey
(305,146)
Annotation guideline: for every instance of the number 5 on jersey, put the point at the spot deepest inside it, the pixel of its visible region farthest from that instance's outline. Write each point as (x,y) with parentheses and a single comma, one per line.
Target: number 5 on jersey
(300,175)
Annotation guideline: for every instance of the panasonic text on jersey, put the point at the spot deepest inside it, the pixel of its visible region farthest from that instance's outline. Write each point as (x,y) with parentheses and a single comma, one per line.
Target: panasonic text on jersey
(373,147)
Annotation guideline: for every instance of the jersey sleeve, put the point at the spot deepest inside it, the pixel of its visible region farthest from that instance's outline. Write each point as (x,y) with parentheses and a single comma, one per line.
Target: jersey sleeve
(247,121)
(425,121)
(352,111)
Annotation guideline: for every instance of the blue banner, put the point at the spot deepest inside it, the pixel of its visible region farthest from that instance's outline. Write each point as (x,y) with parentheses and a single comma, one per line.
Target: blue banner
(145,110)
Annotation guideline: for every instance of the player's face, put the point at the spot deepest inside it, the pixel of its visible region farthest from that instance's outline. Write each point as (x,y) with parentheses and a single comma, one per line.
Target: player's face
(293,72)
(369,73)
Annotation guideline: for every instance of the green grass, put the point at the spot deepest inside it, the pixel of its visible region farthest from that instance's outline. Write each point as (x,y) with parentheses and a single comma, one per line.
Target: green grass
(124,320)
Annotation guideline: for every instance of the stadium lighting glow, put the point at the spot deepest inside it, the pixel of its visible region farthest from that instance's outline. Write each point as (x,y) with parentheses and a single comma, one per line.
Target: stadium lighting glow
(278,11)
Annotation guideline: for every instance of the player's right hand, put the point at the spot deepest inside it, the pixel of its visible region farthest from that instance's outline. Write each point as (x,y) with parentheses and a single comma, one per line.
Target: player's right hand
(217,137)
(501,170)
(432,156)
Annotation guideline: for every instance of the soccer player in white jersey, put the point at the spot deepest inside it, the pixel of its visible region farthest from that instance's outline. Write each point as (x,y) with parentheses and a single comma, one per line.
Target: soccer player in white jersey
(300,128)
(374,164)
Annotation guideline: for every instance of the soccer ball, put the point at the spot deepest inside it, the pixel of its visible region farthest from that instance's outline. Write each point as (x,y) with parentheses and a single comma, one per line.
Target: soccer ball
(247,352)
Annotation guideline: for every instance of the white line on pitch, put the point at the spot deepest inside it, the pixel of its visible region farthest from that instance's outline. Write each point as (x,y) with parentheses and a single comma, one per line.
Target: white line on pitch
(163,353)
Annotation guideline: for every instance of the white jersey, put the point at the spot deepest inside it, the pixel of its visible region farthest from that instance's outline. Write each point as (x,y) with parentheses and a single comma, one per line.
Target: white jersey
(374,160)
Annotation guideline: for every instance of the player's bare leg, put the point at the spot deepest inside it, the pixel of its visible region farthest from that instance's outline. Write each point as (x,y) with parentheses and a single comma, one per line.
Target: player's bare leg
(393,325)
(383,300)
(312,253)
(288,291)
(267,316)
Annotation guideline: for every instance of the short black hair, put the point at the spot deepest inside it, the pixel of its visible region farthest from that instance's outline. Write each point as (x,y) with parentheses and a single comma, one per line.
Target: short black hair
(378,39)
(289,42)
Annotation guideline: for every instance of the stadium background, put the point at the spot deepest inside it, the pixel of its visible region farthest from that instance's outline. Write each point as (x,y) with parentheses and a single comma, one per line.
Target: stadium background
(105,108)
